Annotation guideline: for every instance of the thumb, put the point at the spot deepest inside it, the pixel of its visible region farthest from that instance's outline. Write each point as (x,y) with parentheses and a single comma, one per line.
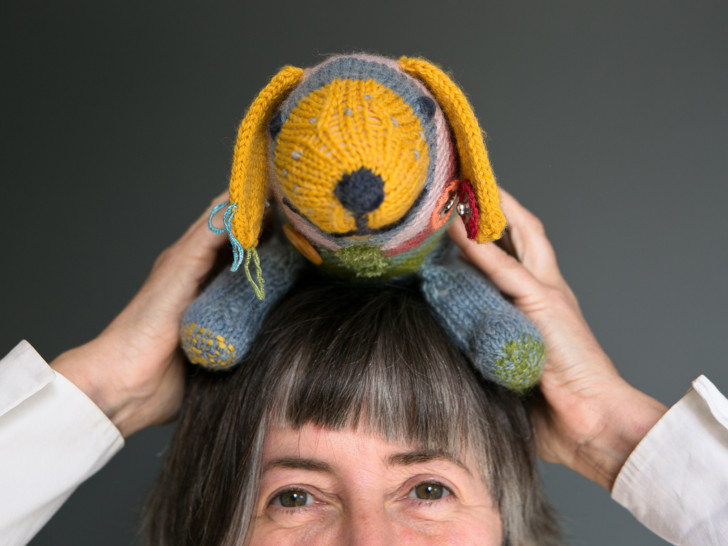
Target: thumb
(507,273)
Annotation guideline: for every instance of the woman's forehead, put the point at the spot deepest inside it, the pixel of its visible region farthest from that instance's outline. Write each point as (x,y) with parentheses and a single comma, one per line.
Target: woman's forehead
(314,442)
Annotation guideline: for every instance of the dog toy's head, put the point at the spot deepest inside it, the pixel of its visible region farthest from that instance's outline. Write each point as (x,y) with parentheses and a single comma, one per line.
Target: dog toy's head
(368,158)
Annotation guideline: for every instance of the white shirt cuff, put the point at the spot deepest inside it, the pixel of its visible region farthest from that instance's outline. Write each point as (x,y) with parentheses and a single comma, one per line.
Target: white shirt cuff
(52,438)
(675,482)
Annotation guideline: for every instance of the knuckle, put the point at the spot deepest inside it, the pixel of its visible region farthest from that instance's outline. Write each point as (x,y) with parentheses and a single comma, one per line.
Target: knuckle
(162,257)
(165,257)
(557,296)
(505,260)
(536,224)
(217,200)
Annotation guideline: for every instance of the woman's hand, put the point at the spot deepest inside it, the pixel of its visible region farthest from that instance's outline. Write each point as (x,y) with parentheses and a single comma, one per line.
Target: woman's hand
(134,369)
(589,419)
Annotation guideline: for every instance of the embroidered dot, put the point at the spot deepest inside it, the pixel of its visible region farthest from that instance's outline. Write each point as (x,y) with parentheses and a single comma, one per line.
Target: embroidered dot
(348,112)
(367,96)
(285,172)
(297,154)
(312,120)
(395,122)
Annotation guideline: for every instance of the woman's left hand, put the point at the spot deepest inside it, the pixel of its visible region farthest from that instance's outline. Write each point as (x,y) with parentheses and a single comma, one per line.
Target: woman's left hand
(134,369)
(591,418)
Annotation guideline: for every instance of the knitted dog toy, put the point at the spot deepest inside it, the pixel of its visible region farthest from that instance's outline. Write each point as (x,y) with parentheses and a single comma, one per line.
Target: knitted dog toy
(367,158)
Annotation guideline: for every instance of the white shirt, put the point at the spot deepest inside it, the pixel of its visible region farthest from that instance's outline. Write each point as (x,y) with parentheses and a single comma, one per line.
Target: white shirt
(53,437)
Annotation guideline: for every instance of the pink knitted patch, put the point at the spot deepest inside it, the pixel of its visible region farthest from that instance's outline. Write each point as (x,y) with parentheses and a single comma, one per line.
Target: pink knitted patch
(409,244)
(467,197)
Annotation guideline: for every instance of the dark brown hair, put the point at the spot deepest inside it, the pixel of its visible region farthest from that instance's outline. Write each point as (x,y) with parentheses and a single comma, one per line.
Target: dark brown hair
(342,357)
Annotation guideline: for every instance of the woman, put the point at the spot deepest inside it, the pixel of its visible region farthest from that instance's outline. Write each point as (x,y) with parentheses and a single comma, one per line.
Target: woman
(590,419)
(366,426)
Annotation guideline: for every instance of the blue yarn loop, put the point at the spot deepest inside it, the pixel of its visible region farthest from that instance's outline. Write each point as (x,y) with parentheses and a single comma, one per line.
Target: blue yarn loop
(240,255)
(217,208)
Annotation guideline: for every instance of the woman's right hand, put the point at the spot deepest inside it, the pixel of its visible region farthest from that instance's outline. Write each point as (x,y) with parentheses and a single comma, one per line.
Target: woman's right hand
(134,369)
(591,418)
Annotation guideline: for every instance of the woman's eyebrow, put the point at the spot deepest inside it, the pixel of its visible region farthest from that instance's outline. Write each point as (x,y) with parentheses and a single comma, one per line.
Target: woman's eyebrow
(423,456)
(298,463)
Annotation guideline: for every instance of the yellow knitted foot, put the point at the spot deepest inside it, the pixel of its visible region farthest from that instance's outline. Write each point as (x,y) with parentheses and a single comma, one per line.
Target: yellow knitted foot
(206,348)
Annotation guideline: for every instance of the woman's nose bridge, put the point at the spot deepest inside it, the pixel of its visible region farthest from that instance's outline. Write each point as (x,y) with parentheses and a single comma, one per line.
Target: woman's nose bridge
(370,525)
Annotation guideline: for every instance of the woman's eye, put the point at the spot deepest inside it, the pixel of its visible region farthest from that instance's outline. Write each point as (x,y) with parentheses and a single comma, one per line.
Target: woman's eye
(429,491)
(293,498)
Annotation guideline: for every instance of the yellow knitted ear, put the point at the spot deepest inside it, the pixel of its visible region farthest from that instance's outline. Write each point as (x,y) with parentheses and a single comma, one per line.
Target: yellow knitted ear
(474,162)
(249,173)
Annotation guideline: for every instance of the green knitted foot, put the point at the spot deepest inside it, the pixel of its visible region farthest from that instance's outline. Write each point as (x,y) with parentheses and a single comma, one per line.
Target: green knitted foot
(521,363)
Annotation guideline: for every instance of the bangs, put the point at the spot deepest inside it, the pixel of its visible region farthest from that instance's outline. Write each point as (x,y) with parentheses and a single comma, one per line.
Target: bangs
(374,359)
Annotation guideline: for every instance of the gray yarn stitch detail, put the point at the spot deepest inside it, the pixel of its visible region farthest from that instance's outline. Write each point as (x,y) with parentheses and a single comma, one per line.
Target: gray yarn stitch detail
(403,85)
(479,319)
(229,307)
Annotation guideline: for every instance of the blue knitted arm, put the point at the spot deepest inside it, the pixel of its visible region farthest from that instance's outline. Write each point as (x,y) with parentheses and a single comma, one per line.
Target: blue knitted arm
(499,340)
(220,325)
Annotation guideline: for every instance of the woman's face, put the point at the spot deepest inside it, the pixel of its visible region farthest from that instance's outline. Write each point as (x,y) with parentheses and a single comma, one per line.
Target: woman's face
(321,486)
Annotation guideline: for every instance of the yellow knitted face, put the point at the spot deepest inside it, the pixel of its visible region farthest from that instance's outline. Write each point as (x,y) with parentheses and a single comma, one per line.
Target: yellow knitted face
(338,129)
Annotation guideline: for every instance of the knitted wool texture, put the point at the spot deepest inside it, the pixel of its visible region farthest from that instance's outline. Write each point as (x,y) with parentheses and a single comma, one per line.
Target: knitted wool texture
(360,147)
(248,180)
(360,157)
(497,338)
(338,130)
(220,325)
(468,135)
(363,155)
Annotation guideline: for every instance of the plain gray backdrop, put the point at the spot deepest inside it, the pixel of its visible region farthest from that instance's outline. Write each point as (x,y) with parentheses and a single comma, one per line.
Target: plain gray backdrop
(608,119)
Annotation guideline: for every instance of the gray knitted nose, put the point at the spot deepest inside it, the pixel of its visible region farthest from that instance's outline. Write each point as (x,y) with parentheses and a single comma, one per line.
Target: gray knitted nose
(360,192)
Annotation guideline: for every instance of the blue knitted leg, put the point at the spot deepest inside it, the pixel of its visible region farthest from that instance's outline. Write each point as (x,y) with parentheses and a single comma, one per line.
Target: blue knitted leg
(219,326)
(499,340)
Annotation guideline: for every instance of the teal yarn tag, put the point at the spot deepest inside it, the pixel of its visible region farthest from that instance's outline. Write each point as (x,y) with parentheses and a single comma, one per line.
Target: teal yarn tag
(240,255)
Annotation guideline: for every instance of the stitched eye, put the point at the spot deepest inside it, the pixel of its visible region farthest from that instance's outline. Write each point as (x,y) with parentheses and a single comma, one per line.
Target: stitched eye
(425,106)
(275,124)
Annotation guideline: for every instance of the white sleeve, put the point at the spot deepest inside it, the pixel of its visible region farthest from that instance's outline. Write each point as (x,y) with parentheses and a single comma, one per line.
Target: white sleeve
(675,482)
(52,438)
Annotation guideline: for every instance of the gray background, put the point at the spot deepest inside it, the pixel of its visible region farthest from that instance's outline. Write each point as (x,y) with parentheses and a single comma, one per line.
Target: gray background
(609,120)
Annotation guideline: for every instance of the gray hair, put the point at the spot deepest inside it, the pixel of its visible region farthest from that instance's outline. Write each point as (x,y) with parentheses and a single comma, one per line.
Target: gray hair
(343,357)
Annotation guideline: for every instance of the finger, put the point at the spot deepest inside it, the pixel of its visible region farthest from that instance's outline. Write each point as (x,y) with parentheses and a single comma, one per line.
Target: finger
(194,254)
(176,276)
(530,242)
(507,273)
(219,200)
(199,234)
